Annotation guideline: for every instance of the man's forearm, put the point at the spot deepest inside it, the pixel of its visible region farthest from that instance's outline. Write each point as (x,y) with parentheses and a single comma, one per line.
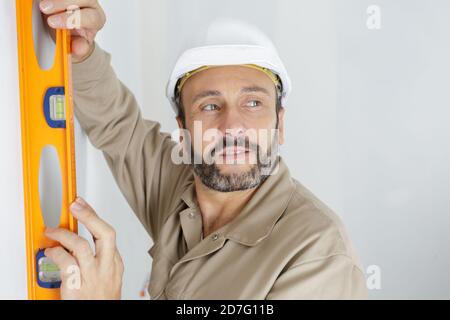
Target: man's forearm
(135,149)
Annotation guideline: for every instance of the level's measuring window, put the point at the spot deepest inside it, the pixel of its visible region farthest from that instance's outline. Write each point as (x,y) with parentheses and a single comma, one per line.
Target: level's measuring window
(58,108)
(55,107)
(48,271)
(49,275)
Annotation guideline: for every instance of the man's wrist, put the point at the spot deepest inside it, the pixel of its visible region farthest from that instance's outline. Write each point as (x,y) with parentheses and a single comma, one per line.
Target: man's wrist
(91,50)
(90,69)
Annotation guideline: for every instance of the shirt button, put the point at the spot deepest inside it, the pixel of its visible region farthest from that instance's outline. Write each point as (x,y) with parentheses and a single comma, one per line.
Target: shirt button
(192,215)
(215,237)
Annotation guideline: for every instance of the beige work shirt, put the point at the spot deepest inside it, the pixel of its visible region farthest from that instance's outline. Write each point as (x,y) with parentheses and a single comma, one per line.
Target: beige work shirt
(285,244)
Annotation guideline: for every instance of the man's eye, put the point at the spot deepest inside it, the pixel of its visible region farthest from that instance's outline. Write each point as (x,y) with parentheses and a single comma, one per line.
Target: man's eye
(210,107)
(254,103)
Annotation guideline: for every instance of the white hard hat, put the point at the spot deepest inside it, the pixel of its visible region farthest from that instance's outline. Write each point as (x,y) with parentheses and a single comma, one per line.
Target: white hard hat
(230,42)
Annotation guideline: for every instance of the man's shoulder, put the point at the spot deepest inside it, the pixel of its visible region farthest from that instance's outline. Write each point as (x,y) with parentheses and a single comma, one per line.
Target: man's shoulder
(315,230)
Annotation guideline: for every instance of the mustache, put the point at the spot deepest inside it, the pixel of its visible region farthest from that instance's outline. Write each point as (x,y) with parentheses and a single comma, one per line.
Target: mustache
(234,142)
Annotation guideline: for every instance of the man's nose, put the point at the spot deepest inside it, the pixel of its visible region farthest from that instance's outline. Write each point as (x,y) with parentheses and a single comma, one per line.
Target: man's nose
(232,124)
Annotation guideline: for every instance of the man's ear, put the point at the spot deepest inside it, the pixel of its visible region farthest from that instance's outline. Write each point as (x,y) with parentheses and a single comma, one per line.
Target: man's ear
(281,137)
(181,127)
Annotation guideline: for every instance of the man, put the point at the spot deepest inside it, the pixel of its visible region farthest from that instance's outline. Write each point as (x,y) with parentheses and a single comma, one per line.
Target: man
(229,222)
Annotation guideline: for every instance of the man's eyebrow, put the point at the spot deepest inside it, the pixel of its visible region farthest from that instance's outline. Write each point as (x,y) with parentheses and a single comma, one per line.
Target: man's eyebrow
(205,94)
(216,93)
(254,89)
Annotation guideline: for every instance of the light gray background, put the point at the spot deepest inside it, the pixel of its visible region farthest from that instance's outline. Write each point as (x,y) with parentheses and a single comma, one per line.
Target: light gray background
(366,123)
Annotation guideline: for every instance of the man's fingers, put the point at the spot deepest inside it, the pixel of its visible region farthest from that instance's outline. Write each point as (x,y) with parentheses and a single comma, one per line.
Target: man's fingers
(62,259)
(119,262)
(56,6)
(104,234)
(85,18)
(78,246)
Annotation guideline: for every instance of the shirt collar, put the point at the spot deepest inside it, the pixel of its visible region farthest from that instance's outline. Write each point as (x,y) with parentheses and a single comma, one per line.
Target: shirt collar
(260,214)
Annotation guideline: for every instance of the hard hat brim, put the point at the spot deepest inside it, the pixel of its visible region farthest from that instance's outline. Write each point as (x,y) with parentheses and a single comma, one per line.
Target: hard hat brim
(227,55)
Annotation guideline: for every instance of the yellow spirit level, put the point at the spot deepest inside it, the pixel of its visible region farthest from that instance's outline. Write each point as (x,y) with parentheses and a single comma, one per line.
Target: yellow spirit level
(46,120)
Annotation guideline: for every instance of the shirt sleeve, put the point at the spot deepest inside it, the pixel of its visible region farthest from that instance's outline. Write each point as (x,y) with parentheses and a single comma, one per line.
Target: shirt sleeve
(332,278)
(137,153)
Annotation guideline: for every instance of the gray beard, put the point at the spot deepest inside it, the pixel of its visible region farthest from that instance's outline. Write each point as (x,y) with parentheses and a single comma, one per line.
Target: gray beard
(211,177)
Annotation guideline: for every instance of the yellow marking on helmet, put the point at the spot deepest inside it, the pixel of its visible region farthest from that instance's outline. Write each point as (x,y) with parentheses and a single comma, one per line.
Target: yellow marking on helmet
(190,74)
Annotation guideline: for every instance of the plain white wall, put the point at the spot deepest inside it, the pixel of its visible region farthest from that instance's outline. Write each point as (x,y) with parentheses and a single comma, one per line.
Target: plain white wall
(393,138)
(12,225)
